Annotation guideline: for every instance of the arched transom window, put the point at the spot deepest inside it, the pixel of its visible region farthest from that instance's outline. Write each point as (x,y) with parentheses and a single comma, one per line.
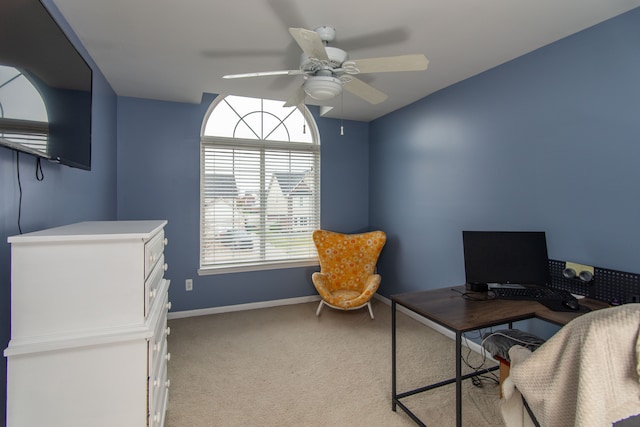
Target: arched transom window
(259,186)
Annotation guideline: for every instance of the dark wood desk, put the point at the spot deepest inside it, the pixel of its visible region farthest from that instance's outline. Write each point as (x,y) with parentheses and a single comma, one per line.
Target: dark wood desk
(448,308)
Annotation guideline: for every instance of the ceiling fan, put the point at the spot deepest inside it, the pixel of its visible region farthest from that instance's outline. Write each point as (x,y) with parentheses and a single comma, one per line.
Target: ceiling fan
(327,70)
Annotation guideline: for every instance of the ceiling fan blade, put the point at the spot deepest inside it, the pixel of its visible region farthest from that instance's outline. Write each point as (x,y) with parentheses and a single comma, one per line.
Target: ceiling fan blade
(365,91)
(416,62)
(310,43)
(296,99)
(264,73)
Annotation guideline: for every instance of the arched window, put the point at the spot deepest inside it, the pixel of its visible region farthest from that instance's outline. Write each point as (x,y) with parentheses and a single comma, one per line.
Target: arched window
(259,186)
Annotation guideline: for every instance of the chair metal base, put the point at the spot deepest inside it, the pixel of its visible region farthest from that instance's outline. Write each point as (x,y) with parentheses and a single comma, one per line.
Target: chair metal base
(323,303)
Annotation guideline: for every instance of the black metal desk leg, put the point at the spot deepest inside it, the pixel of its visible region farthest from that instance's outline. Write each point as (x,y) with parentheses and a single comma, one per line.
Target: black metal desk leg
(458,379)
(393,355)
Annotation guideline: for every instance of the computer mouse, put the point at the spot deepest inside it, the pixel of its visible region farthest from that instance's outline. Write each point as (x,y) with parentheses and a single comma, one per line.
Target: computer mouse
(572,304)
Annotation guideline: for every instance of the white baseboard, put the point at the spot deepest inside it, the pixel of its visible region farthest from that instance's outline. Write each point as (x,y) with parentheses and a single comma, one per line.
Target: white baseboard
(301,300)
(242,307)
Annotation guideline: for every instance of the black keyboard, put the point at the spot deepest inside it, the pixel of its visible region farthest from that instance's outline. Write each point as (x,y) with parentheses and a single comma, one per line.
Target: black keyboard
(533,294)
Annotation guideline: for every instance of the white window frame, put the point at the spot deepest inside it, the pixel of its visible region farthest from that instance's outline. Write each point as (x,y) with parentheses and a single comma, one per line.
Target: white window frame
(208,244)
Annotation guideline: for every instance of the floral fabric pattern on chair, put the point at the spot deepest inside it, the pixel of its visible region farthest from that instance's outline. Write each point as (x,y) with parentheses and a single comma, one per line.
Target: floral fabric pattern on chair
(347,278)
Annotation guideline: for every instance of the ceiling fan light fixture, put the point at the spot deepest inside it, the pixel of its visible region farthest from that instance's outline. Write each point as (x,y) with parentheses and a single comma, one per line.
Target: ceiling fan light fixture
(323,87)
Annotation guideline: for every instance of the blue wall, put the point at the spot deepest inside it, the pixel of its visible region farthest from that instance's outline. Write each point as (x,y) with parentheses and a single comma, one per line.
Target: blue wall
(65,195)
(548,141)
(158,177)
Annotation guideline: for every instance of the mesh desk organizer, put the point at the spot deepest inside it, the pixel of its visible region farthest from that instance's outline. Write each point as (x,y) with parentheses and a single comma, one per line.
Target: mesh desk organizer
(611,286)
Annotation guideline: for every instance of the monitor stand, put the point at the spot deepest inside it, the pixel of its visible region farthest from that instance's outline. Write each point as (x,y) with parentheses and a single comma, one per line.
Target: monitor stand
(477,287)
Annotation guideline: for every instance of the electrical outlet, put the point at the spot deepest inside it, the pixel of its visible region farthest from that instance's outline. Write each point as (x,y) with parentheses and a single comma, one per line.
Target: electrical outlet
(188,284)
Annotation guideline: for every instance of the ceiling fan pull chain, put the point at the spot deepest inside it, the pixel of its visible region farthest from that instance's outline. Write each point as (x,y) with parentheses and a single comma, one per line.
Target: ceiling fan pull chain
(341,113)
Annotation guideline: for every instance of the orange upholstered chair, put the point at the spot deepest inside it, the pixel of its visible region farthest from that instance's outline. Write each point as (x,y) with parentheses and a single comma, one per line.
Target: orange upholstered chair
(347,278)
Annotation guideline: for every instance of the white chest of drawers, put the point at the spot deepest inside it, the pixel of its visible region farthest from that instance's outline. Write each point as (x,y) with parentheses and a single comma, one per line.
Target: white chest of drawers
(88,345)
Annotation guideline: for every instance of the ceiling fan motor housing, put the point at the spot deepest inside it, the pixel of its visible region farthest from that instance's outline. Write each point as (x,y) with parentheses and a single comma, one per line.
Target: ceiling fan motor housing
(336,58)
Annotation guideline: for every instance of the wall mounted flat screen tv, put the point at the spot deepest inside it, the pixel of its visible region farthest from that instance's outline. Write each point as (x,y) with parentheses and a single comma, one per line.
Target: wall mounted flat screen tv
(45,87)
(506,257)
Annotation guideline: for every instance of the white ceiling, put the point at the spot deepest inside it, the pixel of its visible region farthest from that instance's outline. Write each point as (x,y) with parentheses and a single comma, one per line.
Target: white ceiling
(176,50)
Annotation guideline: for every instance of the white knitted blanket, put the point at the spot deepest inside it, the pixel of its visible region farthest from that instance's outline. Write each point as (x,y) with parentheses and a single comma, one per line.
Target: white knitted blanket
(586,375)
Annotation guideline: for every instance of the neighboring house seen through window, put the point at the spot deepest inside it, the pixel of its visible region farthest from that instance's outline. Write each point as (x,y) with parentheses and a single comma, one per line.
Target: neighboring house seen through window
(259,186)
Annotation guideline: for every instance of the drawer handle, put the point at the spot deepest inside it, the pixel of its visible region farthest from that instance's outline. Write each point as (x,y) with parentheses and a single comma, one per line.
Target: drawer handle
(168,383)
(169,305)
(156,347)
(166,241)
(168,357)
(152,294)
(165,267)
(156,383)
(152,258)
(156,417)
(168,330)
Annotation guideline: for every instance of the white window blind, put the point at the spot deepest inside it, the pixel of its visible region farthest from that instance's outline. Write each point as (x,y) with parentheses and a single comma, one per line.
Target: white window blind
(260,201)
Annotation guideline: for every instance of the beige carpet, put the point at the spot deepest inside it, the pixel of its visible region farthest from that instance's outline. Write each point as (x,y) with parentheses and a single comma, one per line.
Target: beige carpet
(284,366)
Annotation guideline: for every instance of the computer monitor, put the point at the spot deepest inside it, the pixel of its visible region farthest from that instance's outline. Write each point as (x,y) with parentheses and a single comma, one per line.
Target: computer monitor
(506,257)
